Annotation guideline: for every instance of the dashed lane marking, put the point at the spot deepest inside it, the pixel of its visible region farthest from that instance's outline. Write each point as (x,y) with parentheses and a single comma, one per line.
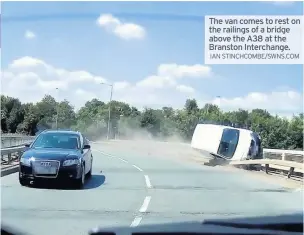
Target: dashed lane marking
(136,221)
(148,183)
(137,168)
(145,205)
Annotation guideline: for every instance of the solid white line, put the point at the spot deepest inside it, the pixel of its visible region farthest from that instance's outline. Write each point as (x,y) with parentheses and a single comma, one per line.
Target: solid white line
(137,168)
(145,205)
(136,221)
(148,183)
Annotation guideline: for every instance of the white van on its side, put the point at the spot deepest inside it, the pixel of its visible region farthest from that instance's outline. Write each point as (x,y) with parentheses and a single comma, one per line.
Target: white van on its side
(227,142)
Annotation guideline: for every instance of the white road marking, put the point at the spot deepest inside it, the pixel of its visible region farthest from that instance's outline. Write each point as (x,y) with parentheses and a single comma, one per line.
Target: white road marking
(145,205)
(137,168)
(148,183)
(123,160)
(106,154)
(147,200)
(110,155)
(136,221)
(142,209)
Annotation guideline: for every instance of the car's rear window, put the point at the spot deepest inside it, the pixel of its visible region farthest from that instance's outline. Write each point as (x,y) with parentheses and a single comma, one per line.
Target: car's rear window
(57,140)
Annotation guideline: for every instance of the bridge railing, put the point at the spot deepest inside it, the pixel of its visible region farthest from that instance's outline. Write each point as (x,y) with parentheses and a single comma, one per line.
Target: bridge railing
(290,161)
(13,140)
(12,146)
(285,155)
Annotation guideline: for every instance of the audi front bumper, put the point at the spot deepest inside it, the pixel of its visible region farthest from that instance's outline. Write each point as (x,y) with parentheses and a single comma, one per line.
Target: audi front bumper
(63,173)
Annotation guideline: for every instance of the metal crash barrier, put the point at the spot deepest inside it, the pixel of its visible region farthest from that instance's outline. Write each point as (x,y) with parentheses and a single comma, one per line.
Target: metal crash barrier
(282,160)
(12,146)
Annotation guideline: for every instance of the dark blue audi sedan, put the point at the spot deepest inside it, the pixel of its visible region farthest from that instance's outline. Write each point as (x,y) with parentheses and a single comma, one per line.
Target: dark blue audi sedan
(58,155)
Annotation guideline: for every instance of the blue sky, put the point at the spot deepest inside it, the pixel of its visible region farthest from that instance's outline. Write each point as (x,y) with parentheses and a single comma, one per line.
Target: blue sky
(68,37)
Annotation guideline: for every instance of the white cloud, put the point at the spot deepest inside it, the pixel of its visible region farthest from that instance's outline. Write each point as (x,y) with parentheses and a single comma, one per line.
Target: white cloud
(280,102)
(26,62)
(118,86)
(156,81)
(185,89)
(169,74)
(29,79)
(29,34)
(87,94)
(123,30)
(179,71)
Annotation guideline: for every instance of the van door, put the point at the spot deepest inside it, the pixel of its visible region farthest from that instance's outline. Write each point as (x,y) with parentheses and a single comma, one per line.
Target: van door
(229,142)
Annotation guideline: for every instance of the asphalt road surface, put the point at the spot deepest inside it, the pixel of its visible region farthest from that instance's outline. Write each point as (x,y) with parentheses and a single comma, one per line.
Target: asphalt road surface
(142,183)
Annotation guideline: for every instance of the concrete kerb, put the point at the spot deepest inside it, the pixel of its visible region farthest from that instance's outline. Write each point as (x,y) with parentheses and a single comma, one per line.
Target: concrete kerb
(9,170)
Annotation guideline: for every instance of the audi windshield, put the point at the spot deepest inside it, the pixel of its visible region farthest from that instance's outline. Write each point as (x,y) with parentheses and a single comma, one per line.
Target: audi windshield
(56,140)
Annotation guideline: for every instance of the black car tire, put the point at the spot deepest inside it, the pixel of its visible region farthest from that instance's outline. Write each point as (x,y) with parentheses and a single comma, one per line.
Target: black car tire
(89,174)
(22,181)
(79,183)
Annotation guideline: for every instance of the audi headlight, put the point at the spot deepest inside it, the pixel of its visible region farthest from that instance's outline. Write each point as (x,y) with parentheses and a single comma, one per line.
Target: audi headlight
(27,161)
(71,162)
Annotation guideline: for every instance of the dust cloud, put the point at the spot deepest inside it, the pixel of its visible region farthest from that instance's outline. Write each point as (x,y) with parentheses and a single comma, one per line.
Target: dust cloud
(139,141)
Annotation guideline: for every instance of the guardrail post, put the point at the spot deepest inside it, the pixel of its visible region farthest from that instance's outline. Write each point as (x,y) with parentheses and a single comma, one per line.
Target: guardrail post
(283,156)
(266,168)
(9,158)
(19,155)
(291,171)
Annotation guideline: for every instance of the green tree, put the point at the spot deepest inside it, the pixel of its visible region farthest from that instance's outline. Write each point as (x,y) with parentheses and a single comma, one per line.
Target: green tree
(12,114)
(127,121)
(66,115)
(151,121)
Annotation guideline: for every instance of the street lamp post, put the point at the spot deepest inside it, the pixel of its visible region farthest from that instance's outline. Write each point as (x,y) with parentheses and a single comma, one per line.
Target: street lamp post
(219,106)
(119,129)
(207,110)
(111,85)
(57,106)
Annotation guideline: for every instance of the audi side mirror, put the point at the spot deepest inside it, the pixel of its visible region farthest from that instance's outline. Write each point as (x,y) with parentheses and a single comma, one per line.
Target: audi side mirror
(86,146)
